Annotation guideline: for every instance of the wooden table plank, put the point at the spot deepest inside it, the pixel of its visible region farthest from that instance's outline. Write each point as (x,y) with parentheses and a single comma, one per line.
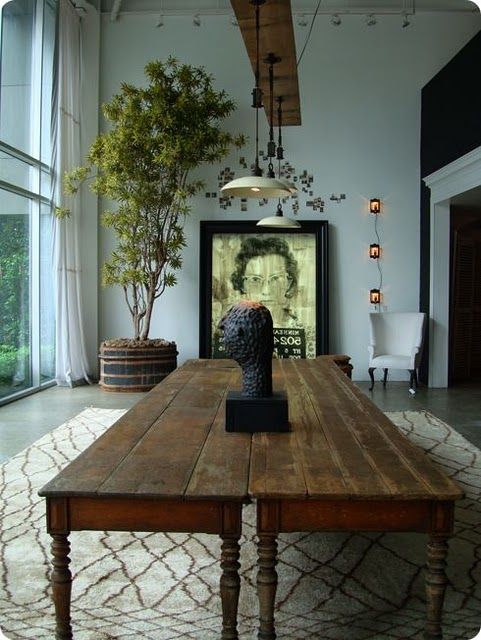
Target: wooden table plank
(224,458)
(171,448)
(89,470)
(403,465)
(395,473)
(162,462)
(322,471)
(354,461)
(275,468)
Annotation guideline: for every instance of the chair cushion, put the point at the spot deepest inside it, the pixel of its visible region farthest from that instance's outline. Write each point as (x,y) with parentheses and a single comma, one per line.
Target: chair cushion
(391,362)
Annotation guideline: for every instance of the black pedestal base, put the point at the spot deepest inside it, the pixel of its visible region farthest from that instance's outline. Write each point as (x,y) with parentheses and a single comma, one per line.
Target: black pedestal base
(254,415)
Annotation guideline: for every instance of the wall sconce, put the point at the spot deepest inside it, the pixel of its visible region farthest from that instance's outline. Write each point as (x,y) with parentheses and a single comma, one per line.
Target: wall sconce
(375,205)
(374,251)
(375,296)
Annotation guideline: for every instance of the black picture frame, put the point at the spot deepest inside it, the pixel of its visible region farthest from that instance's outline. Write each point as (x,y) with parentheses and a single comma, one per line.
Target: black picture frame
(314,243)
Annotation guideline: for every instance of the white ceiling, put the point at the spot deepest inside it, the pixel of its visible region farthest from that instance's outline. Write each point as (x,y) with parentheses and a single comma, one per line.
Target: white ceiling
(298,6)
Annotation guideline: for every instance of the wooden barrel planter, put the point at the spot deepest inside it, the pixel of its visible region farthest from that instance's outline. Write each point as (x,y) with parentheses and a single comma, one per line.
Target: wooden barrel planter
(136,368)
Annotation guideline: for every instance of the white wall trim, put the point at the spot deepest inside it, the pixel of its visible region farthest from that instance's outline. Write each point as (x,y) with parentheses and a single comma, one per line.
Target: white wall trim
(455,178)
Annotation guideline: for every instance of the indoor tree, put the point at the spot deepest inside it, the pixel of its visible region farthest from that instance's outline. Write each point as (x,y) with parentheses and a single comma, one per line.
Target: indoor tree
(157,135)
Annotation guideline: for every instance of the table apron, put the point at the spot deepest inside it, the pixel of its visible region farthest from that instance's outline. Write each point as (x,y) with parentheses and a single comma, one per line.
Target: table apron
(431,516)
(65,514)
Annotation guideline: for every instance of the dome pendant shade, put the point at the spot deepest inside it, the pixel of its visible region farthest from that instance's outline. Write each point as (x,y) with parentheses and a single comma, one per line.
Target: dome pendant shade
(279,221)
(258,187)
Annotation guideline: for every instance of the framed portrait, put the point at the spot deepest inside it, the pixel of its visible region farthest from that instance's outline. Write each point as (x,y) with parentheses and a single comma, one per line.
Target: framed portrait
(284,269)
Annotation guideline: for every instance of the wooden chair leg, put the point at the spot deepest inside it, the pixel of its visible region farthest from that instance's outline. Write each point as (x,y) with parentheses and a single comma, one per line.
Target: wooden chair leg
(384,380)
(371,375)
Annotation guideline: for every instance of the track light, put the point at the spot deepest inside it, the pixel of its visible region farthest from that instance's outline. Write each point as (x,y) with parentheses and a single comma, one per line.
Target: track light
(371,20)
(406,21)
(335,20)
(302,21)
(233,21)
(160,21)
(196,20)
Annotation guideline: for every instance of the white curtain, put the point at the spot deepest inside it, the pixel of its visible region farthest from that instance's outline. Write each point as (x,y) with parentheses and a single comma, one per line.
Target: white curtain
(71,361)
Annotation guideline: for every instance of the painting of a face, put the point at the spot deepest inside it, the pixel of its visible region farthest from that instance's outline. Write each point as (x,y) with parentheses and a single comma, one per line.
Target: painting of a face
(266,281)
(284,270)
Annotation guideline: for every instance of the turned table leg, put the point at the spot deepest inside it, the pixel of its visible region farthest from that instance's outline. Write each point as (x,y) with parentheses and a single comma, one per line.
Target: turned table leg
(61,585)
(229,586)
(266,585)
(436,582)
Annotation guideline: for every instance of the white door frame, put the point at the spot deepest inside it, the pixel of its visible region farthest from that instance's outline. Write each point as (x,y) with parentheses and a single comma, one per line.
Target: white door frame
(446,183)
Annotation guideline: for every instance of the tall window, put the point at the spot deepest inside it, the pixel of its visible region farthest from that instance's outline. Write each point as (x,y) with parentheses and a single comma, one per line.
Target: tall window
(27,40)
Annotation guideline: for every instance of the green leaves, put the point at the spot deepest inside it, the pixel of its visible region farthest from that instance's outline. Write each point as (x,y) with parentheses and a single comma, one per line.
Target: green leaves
(157,135)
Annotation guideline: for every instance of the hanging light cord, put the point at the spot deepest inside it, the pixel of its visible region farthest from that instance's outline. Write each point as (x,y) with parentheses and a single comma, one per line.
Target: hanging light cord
(309,33)
(271,147)
(280,150)
(379,244)
(257,91)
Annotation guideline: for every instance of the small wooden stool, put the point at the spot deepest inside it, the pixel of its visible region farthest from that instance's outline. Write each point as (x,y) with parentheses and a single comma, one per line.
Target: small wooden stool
(342,362)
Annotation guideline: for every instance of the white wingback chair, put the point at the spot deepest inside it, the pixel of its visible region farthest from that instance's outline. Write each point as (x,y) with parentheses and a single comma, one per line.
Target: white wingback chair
(396,341)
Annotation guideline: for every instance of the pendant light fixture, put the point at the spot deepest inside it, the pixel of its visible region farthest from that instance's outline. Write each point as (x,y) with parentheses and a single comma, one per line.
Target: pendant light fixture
(279,220)
(256,185)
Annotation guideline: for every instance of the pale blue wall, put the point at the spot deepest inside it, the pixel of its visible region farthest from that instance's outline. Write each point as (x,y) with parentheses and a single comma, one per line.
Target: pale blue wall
(360,97)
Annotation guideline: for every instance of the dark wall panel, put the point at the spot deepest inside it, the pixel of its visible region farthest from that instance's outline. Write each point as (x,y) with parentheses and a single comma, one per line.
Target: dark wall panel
(450,128)
(451,109)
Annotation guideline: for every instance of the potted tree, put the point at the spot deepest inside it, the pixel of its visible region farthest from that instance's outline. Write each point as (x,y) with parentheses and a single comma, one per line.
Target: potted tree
(157,135)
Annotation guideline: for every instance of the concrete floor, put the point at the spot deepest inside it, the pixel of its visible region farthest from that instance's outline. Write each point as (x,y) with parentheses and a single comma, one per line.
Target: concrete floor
(24,421)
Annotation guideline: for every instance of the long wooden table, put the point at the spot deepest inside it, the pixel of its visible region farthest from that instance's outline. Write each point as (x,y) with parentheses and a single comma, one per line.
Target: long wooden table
(169,465)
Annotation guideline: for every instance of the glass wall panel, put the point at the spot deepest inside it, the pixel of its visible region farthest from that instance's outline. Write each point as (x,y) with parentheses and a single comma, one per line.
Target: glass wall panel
(17,172)
(27,317)
(16,74)
(15,355)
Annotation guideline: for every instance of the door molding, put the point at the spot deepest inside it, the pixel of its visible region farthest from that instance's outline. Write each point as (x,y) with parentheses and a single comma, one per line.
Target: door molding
(455,178)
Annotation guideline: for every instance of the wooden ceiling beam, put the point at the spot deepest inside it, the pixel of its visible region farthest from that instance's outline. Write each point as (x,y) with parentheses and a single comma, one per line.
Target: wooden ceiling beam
(276,35)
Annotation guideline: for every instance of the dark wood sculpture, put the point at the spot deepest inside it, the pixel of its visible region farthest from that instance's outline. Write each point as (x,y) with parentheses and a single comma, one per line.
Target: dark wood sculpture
(249,340)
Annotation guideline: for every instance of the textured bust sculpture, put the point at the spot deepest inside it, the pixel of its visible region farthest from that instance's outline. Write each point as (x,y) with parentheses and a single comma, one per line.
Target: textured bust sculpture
(249,340)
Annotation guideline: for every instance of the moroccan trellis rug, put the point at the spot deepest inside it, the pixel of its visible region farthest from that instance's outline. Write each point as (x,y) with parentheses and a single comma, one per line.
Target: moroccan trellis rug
(165,586)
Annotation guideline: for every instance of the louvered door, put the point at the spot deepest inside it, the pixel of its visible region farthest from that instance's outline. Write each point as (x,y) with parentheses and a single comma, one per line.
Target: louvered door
(465,356)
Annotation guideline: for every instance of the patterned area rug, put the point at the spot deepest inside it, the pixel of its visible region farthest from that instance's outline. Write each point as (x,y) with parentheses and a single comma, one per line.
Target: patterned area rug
(165,586)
